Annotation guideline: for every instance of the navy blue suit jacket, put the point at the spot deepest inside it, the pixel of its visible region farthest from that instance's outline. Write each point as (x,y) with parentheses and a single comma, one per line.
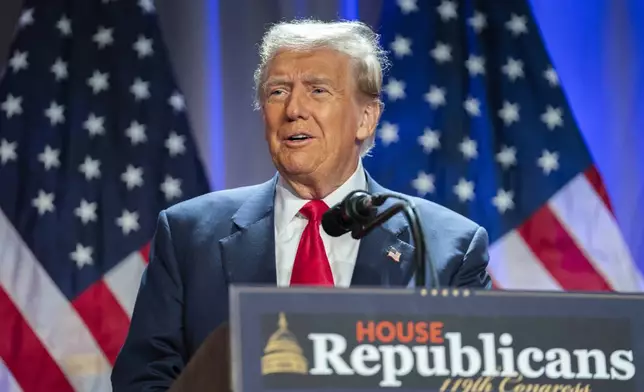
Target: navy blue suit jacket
(204,244)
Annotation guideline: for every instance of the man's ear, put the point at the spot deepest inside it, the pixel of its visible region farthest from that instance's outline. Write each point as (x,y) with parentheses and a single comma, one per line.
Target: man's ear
(369,119)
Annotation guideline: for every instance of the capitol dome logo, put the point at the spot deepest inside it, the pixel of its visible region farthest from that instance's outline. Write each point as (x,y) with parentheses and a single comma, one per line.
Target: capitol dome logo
(282,353)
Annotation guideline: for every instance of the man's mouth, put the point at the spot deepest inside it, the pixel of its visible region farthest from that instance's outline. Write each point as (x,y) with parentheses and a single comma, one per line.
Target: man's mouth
(299,137)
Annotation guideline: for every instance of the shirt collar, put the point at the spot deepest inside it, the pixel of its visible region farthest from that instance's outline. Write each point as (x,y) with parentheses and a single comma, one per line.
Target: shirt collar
(288,203)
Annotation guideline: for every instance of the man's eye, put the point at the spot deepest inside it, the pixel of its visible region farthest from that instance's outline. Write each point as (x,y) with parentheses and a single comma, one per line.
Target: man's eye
(319,90)
(275,92)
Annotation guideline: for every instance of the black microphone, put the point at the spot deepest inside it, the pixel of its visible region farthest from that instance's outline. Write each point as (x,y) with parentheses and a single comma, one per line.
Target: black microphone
(357,208)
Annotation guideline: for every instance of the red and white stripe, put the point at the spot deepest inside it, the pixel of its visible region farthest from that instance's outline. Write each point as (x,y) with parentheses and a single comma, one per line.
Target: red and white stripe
(49,343)
(7,382)
(572,243)
(124,279)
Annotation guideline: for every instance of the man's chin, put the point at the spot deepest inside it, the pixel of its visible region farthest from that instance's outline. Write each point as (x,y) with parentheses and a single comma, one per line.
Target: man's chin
(298,168)
(297,171)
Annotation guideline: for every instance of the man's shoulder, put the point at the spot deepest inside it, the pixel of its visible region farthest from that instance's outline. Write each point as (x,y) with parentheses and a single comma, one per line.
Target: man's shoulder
(445,215)
(435,215)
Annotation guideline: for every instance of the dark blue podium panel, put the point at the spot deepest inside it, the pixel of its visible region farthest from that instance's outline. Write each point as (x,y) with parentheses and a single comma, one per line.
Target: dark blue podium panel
(448,340)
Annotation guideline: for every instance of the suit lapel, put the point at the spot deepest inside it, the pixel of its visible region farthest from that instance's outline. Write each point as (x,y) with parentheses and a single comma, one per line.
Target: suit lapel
(248,254)
(385,257)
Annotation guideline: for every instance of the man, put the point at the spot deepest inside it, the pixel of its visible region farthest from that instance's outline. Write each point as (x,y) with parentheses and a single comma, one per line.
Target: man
(318,87)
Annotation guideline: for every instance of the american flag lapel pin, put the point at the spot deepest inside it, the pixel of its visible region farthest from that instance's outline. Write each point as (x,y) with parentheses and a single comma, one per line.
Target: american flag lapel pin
(393,254)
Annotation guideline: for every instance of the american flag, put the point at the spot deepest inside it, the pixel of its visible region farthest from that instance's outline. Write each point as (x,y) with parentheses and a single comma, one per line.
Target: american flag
(475,119)
(94,143)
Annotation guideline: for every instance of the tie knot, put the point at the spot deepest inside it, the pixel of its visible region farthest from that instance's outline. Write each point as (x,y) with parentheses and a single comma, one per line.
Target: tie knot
(314,210)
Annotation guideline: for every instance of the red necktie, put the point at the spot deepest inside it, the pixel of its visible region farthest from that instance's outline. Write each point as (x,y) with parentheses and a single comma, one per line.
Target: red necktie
(311,265)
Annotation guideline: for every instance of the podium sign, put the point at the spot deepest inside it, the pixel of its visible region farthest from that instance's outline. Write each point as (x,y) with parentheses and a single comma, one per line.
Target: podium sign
(300,339)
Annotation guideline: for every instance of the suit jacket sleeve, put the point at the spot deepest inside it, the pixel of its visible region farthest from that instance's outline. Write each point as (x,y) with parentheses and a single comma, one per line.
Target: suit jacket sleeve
(473,269)
(154,352)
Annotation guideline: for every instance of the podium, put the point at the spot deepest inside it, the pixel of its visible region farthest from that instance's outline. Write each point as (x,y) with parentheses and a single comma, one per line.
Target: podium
(308,339)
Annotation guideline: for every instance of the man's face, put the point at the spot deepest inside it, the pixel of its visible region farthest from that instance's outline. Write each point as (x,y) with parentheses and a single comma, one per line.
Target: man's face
(314,120)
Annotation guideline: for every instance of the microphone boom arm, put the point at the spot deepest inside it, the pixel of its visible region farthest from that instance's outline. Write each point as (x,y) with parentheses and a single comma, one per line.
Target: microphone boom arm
(416,232)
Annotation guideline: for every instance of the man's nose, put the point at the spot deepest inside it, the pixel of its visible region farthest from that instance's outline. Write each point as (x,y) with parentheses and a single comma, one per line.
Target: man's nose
(297,105)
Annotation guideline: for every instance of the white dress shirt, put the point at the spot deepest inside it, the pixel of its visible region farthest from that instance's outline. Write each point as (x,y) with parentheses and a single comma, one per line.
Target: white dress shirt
(289,224)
